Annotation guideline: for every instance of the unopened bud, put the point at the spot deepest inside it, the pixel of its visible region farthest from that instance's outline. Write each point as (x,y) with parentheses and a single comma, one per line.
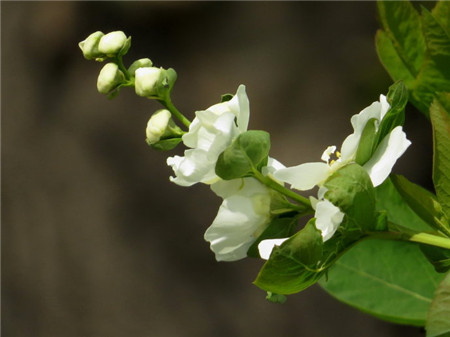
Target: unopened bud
(157,125)
(112,43)
(109,78)
(141,63)
(147,81)
(89,46)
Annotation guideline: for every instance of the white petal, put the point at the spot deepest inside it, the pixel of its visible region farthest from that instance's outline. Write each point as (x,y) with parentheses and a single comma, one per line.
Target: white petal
(242,217)
(273,165)
(328,218)
(385,106)
(265,247)
(305,176)
(390,149)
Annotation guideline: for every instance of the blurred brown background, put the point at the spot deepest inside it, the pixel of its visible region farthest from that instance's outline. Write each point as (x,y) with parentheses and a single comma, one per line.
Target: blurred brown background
(95,240)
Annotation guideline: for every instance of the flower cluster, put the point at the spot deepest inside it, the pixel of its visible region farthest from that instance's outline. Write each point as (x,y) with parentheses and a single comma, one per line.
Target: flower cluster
(259,214)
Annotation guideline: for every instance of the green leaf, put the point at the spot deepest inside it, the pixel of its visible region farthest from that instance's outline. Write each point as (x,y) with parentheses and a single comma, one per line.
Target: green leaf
(244,155)
(440,120)
(391,60)
(280,227)
(391,280)
(415,49)
(397,98)
(389,200)
(293,266)
(166,144)
(438,322)
(401,22)
(434,76)
(351,189)
(438,257)
(423,203)
(441,12)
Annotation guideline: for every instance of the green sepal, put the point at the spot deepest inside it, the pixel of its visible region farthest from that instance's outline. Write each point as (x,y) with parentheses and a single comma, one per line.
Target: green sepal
(125,47)
(367,142)
(397,97)
(351,189)
(226,98)
(423,203)
(247,153)
(438,257)
(293,266)
(166,144)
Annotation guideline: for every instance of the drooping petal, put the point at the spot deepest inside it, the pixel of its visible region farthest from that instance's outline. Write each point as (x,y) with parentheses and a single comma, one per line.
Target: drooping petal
(242,217)
(390,149)
(304,176)
(265,247)
(328,218)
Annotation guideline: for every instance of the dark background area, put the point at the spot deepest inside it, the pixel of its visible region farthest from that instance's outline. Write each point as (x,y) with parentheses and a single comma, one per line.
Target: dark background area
(95,239)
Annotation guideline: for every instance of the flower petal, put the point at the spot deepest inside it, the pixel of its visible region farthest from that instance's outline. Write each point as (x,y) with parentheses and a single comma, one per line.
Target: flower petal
(242,217)
(265,247)
(305,176)
(328,218)
(390,149)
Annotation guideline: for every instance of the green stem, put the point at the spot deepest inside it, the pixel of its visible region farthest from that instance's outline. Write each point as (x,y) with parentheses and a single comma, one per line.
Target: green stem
(174,111)
(283,190)
(121,66)
(425,238)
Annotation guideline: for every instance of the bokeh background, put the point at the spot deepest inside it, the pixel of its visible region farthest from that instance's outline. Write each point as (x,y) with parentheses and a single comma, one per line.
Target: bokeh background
(95,240)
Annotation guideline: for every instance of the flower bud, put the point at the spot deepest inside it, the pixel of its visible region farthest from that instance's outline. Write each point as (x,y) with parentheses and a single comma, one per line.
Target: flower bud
(157,125)
(141,63)
(147,81)
(112,43)
(109,78)
(89,46)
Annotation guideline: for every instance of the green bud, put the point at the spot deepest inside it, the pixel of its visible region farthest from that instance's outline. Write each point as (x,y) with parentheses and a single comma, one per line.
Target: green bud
(141,63)
(161,126)
(148,80)
(110,77)
(89,46)
(112,43)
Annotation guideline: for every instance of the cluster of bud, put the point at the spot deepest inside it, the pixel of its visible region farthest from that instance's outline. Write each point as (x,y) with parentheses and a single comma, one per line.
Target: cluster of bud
(99,46)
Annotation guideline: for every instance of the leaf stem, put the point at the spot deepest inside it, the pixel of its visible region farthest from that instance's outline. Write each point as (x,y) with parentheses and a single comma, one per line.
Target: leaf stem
(425,238)
(269,182)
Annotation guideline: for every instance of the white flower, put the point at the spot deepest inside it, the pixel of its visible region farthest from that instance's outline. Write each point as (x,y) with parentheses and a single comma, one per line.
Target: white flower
(157,125)
(109,78)
(210,133)
(112,43)
(242,217)
(308,175)
(147,79)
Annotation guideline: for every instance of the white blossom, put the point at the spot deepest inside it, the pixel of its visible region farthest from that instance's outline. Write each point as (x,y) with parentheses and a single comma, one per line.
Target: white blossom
(306,176)
(210,133)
